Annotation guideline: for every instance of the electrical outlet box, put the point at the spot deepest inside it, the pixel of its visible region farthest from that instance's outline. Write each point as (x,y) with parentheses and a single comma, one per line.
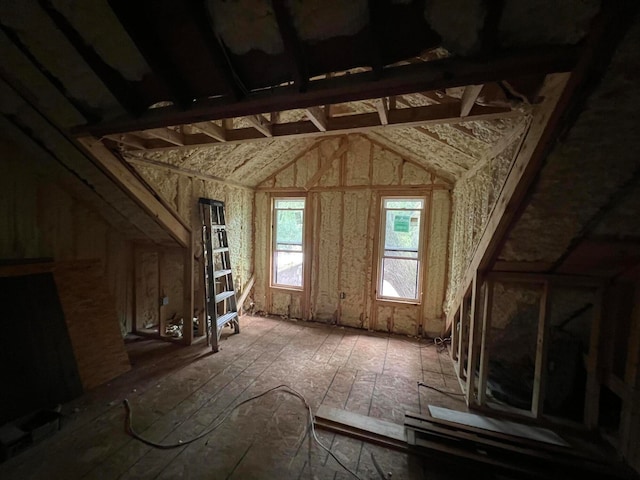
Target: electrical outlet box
(164,301)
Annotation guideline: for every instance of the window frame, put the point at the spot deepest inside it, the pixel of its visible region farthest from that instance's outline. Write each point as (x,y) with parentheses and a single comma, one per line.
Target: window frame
(422,241)
(274,243)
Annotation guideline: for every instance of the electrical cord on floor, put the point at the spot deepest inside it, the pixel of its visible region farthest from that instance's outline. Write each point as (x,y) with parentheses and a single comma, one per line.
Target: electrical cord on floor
(181,443)
(444,392)
(438,342)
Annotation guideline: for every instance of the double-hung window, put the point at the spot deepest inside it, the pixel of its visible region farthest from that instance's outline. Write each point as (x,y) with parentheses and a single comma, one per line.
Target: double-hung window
(400,266)
(288,245)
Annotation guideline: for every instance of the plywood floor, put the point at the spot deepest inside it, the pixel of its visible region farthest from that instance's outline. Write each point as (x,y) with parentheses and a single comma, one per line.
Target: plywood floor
(177,392)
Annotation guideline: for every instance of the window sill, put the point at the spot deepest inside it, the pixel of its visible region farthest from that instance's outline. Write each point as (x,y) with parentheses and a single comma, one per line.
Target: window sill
(399,301)
(287,288)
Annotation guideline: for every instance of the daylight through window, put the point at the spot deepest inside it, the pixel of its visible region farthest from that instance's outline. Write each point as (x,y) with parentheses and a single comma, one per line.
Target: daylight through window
(401,242)
(288,232)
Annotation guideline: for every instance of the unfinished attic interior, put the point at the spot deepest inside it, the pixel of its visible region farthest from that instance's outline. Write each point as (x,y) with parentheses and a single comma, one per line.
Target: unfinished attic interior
(319,239)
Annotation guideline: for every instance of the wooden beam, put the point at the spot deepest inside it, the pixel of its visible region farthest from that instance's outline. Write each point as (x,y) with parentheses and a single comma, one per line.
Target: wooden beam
(344,146)
(133,17)
(292,45)
(168,135)
(129,139)
(245,291)
(436,138)
(211,130)
(474,341)
(518,181)
(261,124)
(502,144)
(88,113)
(184,171)
(485,347)
(377,139)
(187,291)
(202,19)
(361,122)
(383,110)
(542,351)
(119,87)
(121,174)
(317,117)
(425,76)
(594,380)
(469,97)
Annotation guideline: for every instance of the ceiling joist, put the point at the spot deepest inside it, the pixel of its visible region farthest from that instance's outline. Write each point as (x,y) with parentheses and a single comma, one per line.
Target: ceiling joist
(426,76)
(211,130)
(261,129)
(318,117)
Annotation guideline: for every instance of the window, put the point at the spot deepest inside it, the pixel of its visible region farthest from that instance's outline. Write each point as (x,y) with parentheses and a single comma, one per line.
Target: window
(399,276)
(288,229)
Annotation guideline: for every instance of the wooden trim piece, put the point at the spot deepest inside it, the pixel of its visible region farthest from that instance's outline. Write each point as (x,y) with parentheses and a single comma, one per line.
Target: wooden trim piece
(125,178)
(521,176)
(542,350)
(129,139)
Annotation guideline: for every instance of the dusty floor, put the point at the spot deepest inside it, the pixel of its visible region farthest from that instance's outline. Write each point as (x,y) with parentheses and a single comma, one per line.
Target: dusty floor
(176,392)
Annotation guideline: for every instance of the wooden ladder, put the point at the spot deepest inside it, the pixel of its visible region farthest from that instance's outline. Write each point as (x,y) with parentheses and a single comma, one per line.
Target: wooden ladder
(220,297)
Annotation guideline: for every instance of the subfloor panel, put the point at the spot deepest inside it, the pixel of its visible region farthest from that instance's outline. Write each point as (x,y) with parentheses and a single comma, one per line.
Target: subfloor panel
(178,392)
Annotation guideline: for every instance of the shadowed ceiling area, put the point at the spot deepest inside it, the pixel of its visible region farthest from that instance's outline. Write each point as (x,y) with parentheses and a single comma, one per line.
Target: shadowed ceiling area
(181,82)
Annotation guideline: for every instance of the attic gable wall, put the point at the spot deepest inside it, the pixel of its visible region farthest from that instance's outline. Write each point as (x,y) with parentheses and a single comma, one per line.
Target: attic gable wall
(344,206)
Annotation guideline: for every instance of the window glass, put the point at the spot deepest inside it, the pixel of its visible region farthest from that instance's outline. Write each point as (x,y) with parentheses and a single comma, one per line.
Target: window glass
(288,242)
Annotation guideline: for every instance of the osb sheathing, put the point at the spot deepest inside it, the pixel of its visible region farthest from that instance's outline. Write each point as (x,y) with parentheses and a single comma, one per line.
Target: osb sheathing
(182,193)
(41,219)
(581,174)
(343,222)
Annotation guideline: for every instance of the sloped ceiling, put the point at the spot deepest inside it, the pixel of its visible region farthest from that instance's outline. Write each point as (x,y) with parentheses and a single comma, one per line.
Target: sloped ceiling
(88,63)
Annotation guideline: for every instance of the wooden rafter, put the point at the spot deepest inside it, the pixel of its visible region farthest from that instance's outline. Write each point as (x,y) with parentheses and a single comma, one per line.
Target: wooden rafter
(211,130)
(168,135)
(120,88)
(469,97)
(132,15)
(201,16)
(426,76)
(292,46)
(261,129)
(453,148)
(317,117)
(344,146)
(383,110)
(84,110)
(407,154)
(261,124)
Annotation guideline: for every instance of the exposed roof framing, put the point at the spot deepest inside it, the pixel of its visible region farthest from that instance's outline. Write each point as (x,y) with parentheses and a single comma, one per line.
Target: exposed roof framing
(292,46)
(122,90)
(318,124)
(426,76)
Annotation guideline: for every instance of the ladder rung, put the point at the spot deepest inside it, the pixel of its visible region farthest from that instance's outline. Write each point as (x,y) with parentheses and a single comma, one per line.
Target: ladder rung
(218,227)
(221,273)
(221,296)
(221,249)
(227,317)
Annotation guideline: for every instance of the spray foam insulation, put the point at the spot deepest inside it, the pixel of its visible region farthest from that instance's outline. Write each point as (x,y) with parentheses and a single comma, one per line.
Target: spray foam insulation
(38,33)
(597,157)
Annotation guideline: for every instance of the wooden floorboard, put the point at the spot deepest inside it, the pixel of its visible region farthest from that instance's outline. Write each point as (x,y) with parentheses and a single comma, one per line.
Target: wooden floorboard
(178,392)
